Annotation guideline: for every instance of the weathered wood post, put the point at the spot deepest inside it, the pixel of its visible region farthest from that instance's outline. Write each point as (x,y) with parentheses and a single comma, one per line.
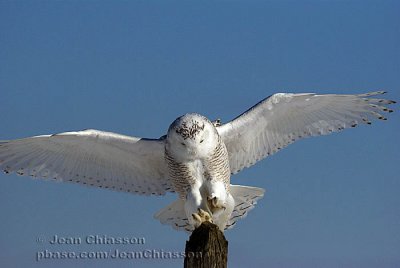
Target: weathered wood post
(206,248)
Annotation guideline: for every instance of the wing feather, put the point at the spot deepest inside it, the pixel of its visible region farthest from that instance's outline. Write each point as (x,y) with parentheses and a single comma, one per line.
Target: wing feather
(93,158)
(284,118)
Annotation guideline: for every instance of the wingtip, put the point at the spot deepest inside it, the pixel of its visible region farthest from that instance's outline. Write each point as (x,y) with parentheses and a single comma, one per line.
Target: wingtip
(373,93)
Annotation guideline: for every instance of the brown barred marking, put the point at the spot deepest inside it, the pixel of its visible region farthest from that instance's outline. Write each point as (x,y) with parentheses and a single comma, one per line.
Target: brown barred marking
(180,175)
(189,132)
(216,167)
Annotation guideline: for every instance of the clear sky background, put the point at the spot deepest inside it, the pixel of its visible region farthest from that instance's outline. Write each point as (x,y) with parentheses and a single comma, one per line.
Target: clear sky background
(132,67)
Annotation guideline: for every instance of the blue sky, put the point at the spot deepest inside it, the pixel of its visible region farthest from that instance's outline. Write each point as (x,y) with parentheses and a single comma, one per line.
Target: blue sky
(132,67)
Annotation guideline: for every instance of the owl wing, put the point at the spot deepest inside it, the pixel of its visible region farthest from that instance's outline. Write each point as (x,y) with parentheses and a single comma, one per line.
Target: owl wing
(92,158)
(284,118)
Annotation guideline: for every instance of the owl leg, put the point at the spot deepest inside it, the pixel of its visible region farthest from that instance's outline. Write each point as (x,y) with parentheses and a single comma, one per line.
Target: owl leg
(222,216)
(196,208)
(216,196)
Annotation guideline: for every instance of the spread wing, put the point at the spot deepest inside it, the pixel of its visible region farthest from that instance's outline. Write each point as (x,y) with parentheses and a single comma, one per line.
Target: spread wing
(284,118)
(91,157)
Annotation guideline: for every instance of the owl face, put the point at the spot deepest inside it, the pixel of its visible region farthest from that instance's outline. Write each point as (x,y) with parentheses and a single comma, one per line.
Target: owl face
(191,136)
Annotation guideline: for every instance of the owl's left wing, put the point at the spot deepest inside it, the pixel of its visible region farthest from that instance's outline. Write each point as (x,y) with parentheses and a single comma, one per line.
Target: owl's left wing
(284,118)
(93,158)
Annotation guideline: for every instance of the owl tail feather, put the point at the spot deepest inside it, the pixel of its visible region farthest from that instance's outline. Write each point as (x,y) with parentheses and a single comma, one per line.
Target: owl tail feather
(174,215)
(245,199)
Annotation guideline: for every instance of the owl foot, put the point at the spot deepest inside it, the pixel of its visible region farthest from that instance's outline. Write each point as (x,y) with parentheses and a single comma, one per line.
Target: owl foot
(201,216)
(214,203)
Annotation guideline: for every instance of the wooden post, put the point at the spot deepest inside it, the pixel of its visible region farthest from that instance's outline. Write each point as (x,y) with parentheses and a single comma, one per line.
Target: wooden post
(206,248)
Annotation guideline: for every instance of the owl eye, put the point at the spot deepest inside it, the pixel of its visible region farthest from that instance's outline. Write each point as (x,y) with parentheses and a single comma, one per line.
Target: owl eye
(183,144)
(201,141)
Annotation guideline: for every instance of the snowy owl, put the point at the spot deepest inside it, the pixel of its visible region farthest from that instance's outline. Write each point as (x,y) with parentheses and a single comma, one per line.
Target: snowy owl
(196,157)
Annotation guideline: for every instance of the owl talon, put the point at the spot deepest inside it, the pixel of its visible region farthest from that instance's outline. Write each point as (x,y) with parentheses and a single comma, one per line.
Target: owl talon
(214,203)
(201,216)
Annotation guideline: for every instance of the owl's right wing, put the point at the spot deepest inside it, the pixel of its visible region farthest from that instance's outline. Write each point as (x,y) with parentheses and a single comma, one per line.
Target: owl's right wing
(92,158)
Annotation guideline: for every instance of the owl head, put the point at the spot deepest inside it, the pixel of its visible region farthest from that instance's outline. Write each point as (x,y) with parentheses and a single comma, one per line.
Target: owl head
(191,136)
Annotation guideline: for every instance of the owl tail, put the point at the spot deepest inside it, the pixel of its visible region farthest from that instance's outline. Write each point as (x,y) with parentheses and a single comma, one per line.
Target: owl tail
(245,199)
(174,215)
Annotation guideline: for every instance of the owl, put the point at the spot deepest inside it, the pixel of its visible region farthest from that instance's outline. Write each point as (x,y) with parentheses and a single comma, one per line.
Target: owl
(196,158)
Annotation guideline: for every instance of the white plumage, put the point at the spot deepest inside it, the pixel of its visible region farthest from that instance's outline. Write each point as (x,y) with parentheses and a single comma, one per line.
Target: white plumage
(195,158)
(90,157)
